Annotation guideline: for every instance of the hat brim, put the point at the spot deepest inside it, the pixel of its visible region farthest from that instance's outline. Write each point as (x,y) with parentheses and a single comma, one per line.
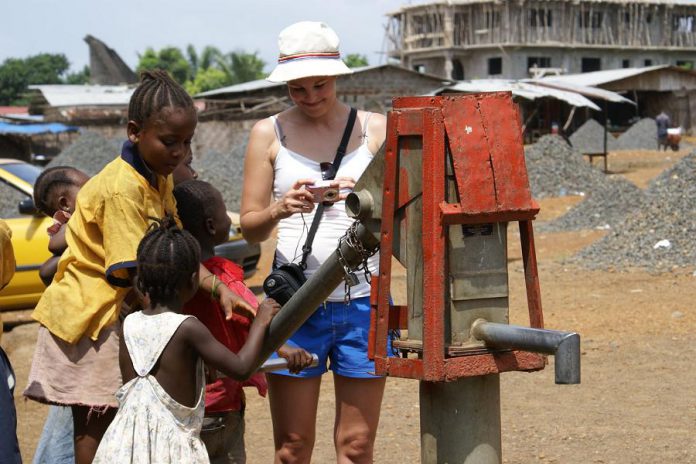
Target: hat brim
(289,71)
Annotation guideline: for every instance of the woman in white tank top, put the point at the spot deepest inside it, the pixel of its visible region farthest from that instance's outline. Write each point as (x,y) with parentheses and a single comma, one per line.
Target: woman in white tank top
(282,159)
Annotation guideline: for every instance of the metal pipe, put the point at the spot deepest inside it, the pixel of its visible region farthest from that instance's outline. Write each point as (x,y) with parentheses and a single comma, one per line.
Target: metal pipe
(565,346)
(277,364)
(312,294)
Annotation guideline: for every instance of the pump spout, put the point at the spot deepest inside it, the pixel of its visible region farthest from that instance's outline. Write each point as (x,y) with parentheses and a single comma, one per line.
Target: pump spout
(565,346)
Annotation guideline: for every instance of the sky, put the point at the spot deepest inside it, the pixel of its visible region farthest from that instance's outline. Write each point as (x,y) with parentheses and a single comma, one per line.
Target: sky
(130,26)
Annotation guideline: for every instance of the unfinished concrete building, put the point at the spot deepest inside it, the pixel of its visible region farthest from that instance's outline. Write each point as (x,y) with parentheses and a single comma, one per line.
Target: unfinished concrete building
(473,39)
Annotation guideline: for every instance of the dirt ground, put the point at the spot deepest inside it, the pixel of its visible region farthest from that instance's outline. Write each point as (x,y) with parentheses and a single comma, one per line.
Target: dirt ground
(636,403)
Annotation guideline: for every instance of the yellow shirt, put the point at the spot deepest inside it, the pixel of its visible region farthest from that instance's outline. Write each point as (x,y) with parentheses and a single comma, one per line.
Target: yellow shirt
(112,215)
(7,259)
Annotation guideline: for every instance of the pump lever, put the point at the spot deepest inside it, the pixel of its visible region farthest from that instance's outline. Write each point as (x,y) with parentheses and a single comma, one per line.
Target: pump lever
(565,346)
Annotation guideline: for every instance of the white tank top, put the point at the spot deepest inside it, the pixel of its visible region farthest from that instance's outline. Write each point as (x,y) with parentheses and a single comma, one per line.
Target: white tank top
(292,231)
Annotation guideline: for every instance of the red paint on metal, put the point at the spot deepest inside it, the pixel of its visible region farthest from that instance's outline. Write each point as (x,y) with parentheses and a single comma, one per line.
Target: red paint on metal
(434,245)
(506,148)
(531,275)
(453,213)
(398,317)
(470,154)
(491,178)
(387,236)
(372,334)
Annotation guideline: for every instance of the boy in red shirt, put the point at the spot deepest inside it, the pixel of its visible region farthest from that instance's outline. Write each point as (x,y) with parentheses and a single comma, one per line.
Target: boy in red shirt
(202,212)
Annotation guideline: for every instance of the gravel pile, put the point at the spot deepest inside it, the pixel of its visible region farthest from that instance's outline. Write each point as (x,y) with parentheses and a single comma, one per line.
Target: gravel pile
(89,153)
(661,234)
(9,201)
(605,207)
(589,138)
(555,170)
(225,171)
(641,136)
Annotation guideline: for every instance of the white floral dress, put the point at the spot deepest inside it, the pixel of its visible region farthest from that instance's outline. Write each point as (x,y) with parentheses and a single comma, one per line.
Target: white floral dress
(150,426)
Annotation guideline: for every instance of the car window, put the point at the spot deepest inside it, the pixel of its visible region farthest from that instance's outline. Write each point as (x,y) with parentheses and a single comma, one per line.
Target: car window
(26,172)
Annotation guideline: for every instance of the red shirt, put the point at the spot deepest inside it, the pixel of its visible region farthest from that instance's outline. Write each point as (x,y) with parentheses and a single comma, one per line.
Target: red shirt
(225,394)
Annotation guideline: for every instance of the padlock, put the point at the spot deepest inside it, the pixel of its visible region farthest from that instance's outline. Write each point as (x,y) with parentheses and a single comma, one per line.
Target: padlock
(352,279)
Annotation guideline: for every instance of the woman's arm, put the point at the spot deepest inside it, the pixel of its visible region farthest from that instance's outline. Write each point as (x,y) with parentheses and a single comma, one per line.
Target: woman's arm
(259,215)
(376,132)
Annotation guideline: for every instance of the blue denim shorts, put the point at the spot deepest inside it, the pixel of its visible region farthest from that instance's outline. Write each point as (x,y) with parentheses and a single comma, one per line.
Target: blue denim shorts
(337,333)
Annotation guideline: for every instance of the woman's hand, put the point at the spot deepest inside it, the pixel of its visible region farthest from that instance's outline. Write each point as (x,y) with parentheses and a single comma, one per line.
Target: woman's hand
(296,200)
(344,184)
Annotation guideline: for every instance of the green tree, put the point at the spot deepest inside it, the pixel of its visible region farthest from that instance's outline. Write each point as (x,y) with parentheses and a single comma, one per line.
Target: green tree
(170,59)
(207,79)
(78,78)
(16,74)
(205,60)
(356,60)
(241,66)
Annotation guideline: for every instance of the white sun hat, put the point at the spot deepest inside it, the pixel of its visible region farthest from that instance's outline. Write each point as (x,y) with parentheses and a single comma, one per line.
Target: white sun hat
(308,49)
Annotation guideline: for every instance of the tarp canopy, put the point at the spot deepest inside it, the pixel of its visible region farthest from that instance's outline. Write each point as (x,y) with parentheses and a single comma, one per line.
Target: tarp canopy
(33,129)
(524,90)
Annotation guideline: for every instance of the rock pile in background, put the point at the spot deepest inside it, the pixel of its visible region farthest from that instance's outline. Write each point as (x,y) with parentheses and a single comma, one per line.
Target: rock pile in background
(89,153)
(556,170)
(605,206)
(589,138)
(9,201)
(659,235)
(225,171)
(641,136)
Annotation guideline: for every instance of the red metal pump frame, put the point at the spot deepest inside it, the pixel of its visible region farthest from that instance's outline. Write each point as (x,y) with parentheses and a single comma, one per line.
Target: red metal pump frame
(485,140)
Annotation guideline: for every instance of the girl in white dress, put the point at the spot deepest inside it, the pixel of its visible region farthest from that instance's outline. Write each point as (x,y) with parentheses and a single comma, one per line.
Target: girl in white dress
(161,402)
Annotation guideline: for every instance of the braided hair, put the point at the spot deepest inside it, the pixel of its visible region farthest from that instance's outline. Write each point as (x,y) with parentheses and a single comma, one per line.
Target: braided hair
(167,257)
(47,184)
(157,90)
(194,205)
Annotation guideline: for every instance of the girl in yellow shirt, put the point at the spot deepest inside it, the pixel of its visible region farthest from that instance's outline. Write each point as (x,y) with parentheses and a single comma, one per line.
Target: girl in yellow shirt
(76,359)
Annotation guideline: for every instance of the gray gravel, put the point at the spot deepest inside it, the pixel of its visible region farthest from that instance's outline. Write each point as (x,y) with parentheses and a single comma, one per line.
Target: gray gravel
(556,170)
(89,153)
(661,234)
(605,207)
(641,136)
(225,171)
(589,138)
(9,201)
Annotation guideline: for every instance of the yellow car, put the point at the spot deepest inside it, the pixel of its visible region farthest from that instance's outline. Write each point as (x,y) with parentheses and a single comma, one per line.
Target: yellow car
(29,237)
(30,240)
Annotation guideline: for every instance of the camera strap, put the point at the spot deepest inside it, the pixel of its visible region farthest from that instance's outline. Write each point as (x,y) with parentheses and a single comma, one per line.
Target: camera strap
(307,247)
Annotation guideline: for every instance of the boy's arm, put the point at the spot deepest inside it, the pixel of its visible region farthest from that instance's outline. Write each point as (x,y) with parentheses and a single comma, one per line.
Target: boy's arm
(48,270)
(231,302)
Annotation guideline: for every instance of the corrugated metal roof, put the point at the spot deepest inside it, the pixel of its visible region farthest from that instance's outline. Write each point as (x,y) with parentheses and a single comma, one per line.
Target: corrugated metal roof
(473,2)
(240,88)
(85,95)
(590,92)
(596,78)
(264,84)
(524,90)
(33,129)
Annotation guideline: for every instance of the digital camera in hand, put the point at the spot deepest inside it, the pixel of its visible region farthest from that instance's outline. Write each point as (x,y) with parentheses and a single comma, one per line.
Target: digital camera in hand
(323,191)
